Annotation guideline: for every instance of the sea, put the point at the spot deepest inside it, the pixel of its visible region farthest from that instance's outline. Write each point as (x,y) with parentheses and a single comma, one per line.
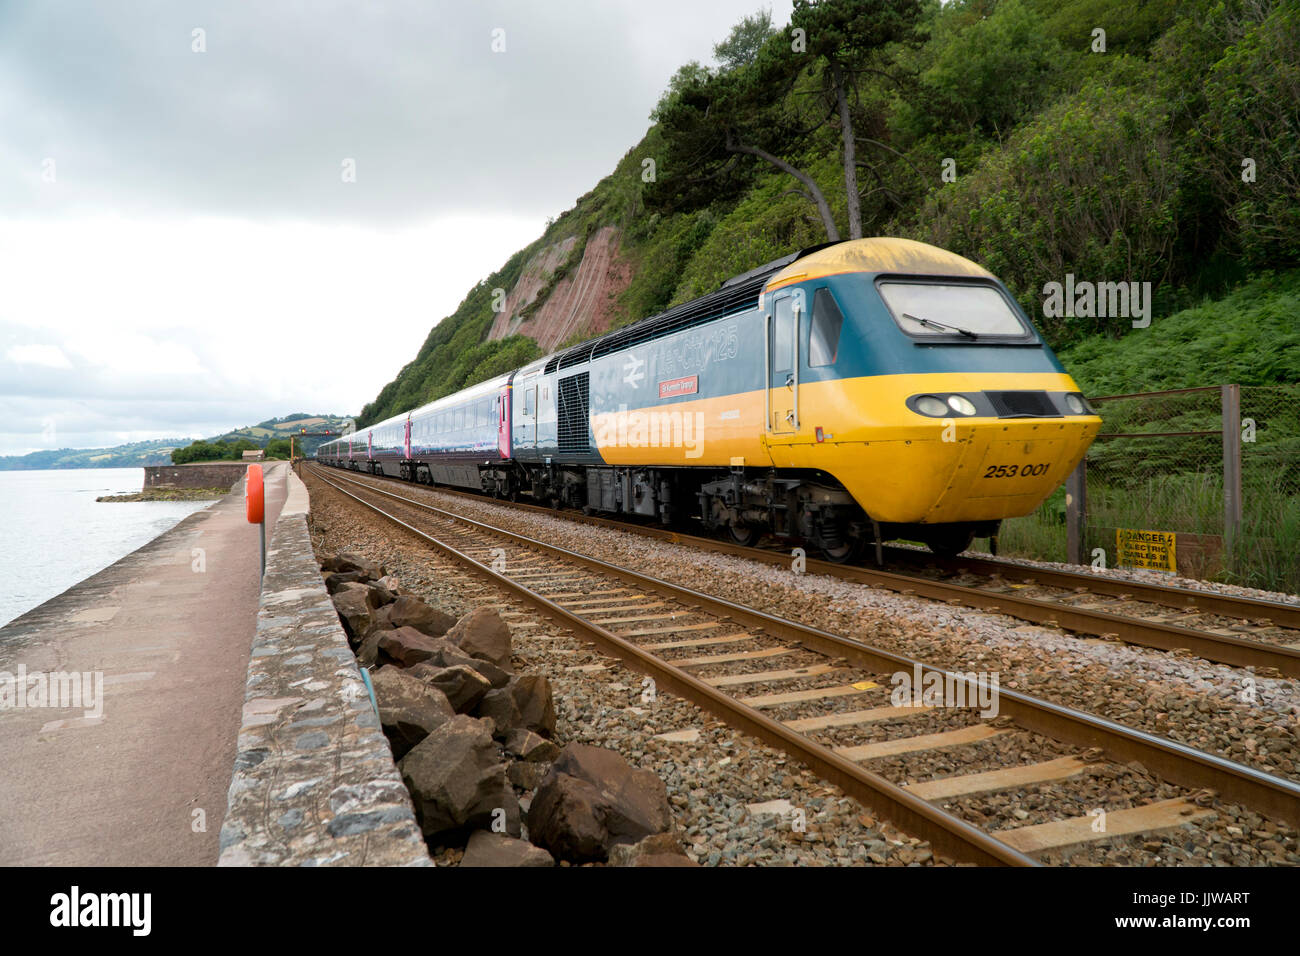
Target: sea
(53,533)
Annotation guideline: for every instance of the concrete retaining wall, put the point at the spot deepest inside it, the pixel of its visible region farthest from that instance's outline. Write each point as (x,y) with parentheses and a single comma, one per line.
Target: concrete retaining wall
(206,474)
(314,782)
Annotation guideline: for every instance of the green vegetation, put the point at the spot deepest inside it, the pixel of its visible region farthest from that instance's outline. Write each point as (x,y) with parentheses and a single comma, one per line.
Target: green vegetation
(998,129)
(212,451)
(1250,337)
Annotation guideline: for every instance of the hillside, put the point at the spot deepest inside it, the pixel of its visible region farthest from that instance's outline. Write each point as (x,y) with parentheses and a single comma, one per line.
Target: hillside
(159,451)
(995,128)
(1251,336)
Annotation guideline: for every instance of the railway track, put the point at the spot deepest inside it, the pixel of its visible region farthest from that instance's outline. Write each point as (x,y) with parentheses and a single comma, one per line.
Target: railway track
(827,701)
(1263,636)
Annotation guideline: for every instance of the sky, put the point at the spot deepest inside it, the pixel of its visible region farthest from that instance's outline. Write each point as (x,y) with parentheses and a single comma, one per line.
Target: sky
(214,213)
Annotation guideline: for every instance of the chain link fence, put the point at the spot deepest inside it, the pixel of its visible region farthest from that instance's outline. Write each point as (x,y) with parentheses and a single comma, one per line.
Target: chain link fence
(1161,487)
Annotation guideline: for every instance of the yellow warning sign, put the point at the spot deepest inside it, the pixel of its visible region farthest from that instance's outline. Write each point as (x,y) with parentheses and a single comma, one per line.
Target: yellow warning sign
(1153,550)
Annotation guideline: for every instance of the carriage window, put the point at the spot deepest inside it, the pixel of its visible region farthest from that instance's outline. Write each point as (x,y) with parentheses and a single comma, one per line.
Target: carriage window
(530,394)
(824,330)
(783,335)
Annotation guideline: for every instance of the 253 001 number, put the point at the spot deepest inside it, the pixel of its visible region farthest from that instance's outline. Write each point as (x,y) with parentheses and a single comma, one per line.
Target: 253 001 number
(1011,471)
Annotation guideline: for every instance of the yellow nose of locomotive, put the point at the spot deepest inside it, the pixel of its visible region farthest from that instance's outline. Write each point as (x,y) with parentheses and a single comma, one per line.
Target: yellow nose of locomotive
(905,467)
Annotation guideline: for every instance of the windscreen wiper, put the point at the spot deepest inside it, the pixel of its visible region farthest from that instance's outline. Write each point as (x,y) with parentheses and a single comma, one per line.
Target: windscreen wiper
(930,323)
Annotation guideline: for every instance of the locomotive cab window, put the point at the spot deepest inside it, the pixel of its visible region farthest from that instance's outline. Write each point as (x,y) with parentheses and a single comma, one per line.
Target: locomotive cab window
(824,330)
(949,311)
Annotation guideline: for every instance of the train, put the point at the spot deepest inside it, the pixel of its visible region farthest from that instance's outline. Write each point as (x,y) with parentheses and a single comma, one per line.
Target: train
(854,392)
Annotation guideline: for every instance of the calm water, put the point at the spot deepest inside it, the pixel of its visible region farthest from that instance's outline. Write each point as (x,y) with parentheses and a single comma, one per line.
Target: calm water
(53,533)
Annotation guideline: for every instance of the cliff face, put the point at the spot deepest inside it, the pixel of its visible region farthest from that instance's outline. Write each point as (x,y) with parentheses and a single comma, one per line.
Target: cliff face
(582,301)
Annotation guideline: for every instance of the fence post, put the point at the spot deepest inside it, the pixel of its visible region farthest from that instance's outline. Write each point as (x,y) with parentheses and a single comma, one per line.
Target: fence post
(1076,514)
(1231,469)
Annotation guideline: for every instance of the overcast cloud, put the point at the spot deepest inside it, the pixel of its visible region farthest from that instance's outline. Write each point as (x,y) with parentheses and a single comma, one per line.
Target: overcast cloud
(197,262)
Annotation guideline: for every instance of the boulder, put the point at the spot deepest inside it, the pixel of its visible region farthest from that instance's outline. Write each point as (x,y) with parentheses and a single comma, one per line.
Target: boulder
(354,610)
(499,705)
(380,595)
(464,686)
(532,693)
(495,675)
(447,654)
(567,818)
(334,580)
(481,633)
(526,776)
(346,561)
(498,849)
(368,650)
(405,646)
(410,611)
(529,746)
(457,783)
(592,800)
(379,619)
(639,800)
(662,849)
(409,709)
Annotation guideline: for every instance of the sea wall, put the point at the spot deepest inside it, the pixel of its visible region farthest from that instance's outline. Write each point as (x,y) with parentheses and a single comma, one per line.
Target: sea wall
(206,474)
(314,781)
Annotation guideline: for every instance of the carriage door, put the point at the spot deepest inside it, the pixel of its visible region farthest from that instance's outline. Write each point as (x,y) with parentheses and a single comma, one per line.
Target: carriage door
(407,440)
(530,414)
(783,364)
(503,423)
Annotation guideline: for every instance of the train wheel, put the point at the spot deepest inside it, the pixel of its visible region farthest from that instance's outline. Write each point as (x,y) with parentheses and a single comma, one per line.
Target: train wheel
(844,553)
(949,542)
(745,535)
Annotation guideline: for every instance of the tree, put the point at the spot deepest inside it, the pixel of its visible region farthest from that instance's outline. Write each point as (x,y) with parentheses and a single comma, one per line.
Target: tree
(278,448)
(747,37)
(843,39)
(716,120)
(760,109)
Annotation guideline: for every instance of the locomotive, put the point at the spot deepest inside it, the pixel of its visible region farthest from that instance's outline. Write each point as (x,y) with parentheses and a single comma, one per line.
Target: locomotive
(858,391)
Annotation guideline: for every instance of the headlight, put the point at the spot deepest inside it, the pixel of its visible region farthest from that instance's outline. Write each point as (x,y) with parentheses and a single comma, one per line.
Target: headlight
(961,404)
(929,405)
(1075,404)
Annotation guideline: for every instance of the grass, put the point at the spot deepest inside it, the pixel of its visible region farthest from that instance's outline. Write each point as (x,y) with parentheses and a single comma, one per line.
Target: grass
(1265,555)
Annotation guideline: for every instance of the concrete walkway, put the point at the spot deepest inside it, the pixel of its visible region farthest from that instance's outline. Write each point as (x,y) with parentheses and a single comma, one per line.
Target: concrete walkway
(169,627)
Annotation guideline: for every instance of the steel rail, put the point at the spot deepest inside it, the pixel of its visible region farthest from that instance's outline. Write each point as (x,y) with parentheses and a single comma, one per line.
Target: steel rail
(1211,602)
(1174,762)
(1222,649)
